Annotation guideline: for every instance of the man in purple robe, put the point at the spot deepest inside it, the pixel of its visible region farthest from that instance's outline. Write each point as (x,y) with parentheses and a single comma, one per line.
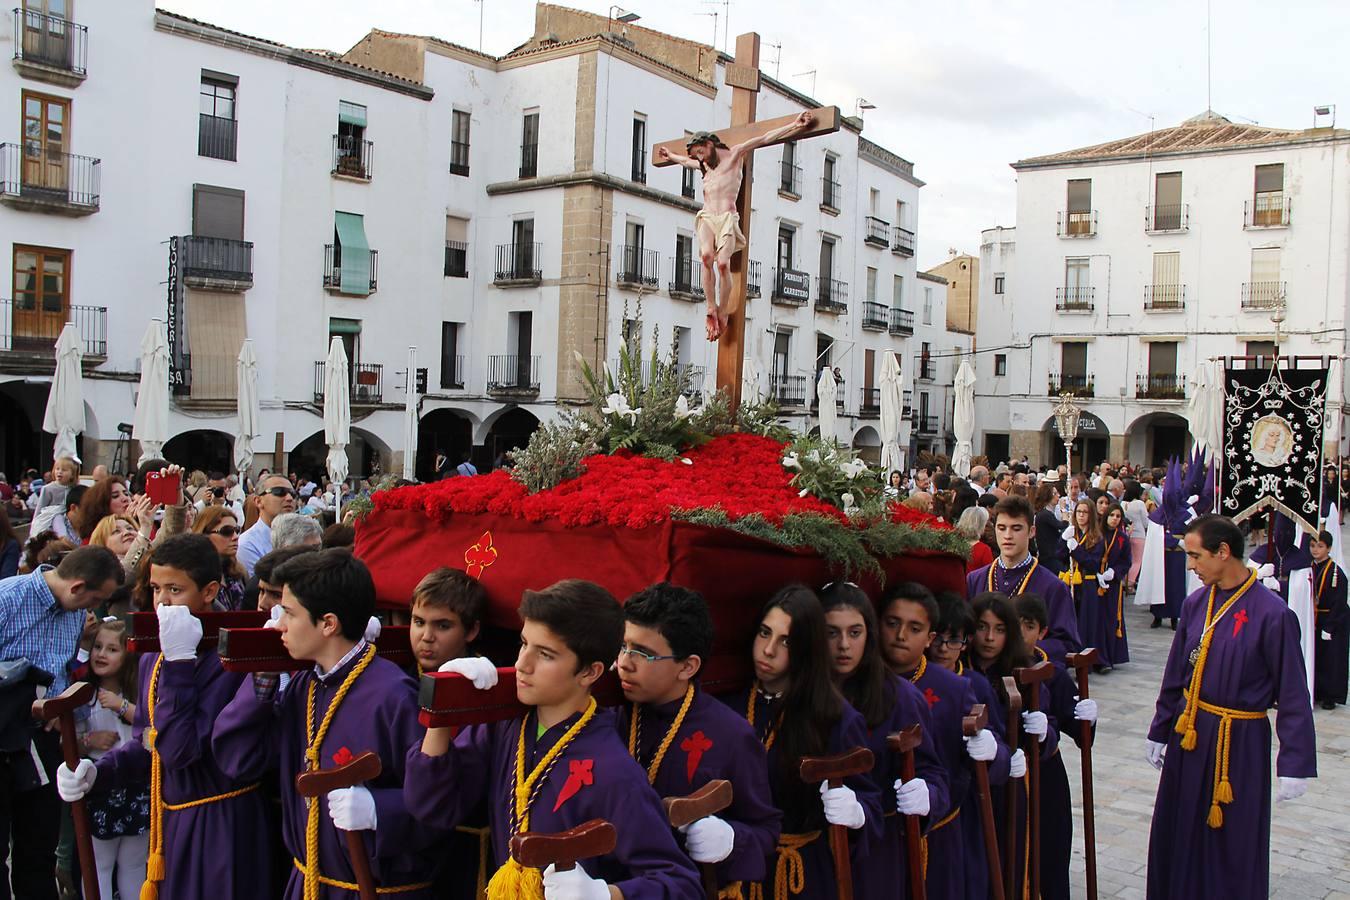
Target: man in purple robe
(685,738)
(1236,655)
(351,701)
(211,818)
(560,765)
(1016,572)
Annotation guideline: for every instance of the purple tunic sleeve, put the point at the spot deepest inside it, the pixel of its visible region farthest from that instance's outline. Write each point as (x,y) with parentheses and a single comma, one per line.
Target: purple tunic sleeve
(246,737)
(979,690)
(1293,718)
(190,695)
(752,816)
(911,708)
(395,730)
(1062,637)
(442,791)
(1175,676)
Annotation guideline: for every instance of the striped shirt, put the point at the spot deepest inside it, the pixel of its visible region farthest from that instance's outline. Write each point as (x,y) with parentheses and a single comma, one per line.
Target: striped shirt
(34,626)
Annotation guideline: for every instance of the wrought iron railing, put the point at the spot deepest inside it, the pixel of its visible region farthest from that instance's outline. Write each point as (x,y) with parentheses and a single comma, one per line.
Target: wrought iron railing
(876,231)
(1263,294)
(456,259)
(925,368)
(686,277)
(831,295)
(638,266)
(459,157)
(529,160)
(332,267)
(33,172)
(1076,298)
(752,283)
(510,372)
(639,173)
(830,193)
(1266,210)
(452,372)
(222,258)
(1164,297)
(50,41)
(869,401)
(26,329)
(217,137)
(875,316)
(1160,387)
(790,178)
(1079,385)
(788,390)
(902,241)
(518,262)
(353,157)
(1077,223)
(902,321)
(366,382)
(1167,217)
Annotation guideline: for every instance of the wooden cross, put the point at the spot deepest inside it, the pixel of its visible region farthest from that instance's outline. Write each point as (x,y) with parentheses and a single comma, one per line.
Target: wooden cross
(743,76)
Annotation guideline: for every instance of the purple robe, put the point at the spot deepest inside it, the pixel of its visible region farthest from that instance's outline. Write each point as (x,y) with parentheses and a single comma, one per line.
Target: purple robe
(1062,637)
(1331,660)
(714,742)
(1100,614)
(883,871)
(594,778)
(1254,663)
(202,844)
(972,823)
(801,806)
(1056,799)
(379,713)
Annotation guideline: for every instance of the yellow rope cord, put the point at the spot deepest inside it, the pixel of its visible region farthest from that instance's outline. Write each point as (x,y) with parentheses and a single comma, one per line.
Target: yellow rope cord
(789,873)
(313,749)
(228,795)
(918,673)
(513,881)
(750,717)
(1025,581)
(1186,722)
(923,841)
(354,887)
(1222,791)
(635,733)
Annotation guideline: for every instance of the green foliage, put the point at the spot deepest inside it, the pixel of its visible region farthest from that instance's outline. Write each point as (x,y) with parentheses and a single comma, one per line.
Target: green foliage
(554,453)
(361,506)
(834,474)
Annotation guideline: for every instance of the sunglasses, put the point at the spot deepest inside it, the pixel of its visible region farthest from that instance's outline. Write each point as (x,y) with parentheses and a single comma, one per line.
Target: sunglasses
(227,531)
(281,492)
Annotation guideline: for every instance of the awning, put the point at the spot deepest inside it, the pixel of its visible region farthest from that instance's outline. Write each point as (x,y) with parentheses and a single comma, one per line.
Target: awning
(351,113)
(355,253)
(344,326)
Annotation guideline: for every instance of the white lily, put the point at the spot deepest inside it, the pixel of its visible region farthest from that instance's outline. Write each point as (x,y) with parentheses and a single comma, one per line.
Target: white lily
(686,460)
(791,462)
(682,410)
(617,405)
(850,507)
(853,468)
(803,492)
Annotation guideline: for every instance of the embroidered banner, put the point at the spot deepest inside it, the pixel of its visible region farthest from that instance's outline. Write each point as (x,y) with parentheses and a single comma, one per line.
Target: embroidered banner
(1272,443)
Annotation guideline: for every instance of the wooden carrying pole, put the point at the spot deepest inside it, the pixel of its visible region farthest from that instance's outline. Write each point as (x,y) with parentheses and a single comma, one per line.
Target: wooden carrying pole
(834,769)
(904,742)
(62,708)
(708,800)
(972,725)
(261,649)
(318,782)
(1082,664)
(1030,680)
(1010,792)
(537,850)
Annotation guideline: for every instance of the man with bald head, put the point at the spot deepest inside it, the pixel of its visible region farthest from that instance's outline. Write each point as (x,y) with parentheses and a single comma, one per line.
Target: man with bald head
(979,478)
(1117,490)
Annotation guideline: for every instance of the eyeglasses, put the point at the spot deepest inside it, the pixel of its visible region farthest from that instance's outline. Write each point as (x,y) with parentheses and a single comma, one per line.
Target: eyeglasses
(951,642)
(226,531)
(643,655)
(281,492)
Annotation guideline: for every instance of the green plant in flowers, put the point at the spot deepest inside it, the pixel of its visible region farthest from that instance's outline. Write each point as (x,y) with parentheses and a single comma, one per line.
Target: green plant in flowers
(834,474)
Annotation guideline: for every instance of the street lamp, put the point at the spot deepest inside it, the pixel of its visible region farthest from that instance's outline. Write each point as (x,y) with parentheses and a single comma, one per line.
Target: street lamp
(1066,414)
(619,14)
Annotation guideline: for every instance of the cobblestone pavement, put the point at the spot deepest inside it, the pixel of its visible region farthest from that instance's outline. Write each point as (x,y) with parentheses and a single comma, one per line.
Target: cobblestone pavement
(1310,837)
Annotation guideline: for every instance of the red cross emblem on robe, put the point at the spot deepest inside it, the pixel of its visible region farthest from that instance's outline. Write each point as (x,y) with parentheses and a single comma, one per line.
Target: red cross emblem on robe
(343,756)
(1238,621)
(695,746)
(579,772)
(479,556)
(931,697)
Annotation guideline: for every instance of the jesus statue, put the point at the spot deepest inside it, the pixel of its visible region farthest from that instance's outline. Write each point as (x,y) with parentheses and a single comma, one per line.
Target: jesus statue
(718,224)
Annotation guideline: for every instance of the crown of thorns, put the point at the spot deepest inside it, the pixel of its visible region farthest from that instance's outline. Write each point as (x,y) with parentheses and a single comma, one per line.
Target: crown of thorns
(705,137)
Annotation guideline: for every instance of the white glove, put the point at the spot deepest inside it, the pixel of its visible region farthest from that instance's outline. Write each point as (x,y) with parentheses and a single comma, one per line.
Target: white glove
(1156,752)
(911,797)
(1067,534)
(709,840)
(1265,571)
(842,806)
(1326,635)
(1271,584)
(574,884)
(179,633)
(1104,578)
(1291,788)
(1017,764)
(1036,723)
(1071,544)
(1085,711)
(373,629)
(73,786)
(982,747)
(477,669)
(352,809)
(274,617)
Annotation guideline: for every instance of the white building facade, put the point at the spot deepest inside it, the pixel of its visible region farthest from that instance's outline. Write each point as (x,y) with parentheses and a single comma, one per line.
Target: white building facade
(1134,261)
(496,213)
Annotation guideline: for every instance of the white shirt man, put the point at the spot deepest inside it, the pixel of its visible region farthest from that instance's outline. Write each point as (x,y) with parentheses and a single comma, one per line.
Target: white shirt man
(275,496)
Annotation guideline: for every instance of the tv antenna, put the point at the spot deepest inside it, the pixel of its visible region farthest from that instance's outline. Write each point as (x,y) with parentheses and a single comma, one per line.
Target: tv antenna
(726,21)
(714,15)
(777,57)
(812,73)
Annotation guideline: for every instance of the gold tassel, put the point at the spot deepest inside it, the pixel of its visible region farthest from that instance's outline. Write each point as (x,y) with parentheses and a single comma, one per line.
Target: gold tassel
(515,882)
(1225,793)
(1215,819)
(156,867)
(1188,742)
(149,891)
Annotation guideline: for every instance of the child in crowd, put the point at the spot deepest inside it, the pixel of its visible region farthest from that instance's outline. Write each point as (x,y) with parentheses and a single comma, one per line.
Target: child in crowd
(119,819)
(448,607)
(558,766)
(65,475)
(196,807)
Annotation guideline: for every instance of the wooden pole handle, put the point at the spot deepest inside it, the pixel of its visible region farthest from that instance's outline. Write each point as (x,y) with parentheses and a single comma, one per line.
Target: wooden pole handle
(62,708)
(356,849)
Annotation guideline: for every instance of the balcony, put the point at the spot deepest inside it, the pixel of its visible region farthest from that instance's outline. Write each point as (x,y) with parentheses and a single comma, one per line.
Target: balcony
(1160,387)
(452,373)
(1268,210)
(687,183)
(332,270)
(902,321)
(831,196)
(217,137)
(693,381)
(639,269)
(215,264)
(25,331)
(902,241)
(686,280)
(40,180)
(752,281)
(1076,224)
(352,157)
(367,383)
(518,265)
(788,390)
(925,369)
(869,403)
(639,173)
(831,295)
(875,316)
(456,259)
(907,411)
(1168,218)
(790,287)
(925,423)
(1259,295)
(876,232)
(1164,297)
(50,48)
(1077,385)
(511,374)
(529,160)
(459,157)
(790,180)
(1075,299)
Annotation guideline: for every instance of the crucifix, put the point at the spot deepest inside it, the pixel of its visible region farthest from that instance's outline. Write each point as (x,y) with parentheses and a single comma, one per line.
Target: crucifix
(723,234)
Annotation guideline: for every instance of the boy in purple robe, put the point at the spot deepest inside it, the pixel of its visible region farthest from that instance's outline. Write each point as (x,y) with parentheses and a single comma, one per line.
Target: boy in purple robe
(196,805)
(349,702)
(908,626)
(1236,654)
(684,738)
(1332,651)
(561,765)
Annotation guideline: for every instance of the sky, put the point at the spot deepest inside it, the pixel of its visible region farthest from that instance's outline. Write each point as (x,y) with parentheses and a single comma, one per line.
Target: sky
(961,88)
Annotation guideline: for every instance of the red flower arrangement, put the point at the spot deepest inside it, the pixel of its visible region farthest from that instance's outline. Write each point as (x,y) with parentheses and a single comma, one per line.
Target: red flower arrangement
(742,474)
